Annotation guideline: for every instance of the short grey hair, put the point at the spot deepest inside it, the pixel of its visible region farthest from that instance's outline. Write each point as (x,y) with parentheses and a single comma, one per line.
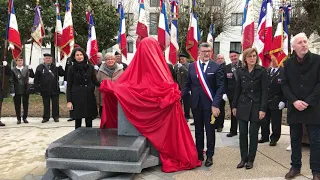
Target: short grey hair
(205,44)
(300,35)
(220,55)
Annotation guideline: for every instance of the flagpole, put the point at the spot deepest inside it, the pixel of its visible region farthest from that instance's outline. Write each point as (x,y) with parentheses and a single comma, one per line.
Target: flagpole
(32,40)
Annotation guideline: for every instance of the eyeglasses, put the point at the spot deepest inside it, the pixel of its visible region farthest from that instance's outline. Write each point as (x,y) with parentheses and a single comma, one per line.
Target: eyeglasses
(206,51)
(252,56)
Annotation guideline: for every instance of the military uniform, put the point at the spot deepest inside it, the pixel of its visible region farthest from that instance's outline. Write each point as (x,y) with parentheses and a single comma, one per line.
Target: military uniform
(230,84)
(275,96)
(181,77)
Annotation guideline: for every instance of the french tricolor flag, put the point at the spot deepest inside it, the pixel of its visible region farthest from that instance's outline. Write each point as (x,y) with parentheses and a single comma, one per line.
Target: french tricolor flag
(58,28)
(67,40)
(248,25)
(163,27)
(264,33)
(92,44)
(122,37)
(193,36)
(13,35)
(174,46)
(142,28)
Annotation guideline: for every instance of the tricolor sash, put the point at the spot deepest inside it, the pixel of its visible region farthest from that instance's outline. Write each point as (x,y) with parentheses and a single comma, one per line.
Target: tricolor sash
(203,80)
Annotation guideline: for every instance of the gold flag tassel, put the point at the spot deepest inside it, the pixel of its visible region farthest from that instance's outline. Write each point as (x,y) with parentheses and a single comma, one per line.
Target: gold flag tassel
(213,119)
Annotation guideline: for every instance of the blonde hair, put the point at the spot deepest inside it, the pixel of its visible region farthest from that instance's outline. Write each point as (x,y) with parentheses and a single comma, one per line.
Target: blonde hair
(108,55)
(246,53)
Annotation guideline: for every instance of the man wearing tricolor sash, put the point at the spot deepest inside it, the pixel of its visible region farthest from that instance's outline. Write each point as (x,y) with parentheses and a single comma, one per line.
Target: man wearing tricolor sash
(206,83)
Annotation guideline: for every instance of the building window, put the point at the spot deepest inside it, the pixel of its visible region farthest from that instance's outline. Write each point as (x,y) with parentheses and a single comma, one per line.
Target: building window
(236,46)
(216,49)
(154,3)
(213,2)
(154,23)
(236,19)
(109,2)
(130,47)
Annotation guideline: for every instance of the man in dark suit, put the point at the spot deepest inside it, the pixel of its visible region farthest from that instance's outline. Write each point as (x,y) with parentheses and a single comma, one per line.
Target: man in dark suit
(7,71)
(276,102)
(230,85)
(301,87)
(205,101)
(46,81)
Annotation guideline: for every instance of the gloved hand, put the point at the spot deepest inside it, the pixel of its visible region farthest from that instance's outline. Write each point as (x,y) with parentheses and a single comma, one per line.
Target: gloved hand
(225,97)
(29,67)
(4,63)
(12,94)
(281,105)
(65,84)
(58,64)
(179,65)
(96,67)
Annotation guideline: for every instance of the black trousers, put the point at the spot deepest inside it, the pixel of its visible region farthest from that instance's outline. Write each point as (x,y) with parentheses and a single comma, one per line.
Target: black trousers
(17,105)
(78,122)
(186,100)
(234,122)
(253,133)
(46,106)
(296,132)
(220,119)
(275,117)
(202,119)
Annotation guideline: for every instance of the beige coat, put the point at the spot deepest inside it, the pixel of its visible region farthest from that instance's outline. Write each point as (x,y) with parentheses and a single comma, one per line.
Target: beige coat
(102,75)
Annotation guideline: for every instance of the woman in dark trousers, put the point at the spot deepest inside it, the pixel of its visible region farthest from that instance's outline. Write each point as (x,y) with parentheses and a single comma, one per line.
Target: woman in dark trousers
(81,84)
(249,104)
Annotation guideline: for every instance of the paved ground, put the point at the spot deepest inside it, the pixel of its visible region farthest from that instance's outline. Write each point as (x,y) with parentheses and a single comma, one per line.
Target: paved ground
(22,149)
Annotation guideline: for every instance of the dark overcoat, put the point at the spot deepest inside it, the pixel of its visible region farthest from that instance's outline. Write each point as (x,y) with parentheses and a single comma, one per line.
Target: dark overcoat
(275,95)
(301,81)
(81,94)
(250,93)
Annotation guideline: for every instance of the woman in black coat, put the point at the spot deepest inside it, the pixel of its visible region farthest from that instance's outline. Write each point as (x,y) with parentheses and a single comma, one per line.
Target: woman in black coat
(249,104)
(81,83)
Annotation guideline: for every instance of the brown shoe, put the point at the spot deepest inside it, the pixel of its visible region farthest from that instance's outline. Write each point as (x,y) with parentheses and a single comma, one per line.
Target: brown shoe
(292,173)
(316,177)
(2,124)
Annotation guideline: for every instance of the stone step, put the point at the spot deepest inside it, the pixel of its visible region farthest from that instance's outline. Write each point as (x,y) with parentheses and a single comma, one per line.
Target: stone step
(96,144)
(145,161)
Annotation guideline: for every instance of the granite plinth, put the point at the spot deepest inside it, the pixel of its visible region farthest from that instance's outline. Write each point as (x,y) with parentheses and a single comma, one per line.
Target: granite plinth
(85,175)
(106,166)
(55,174)
(96,144)
(125,128)
(121,177)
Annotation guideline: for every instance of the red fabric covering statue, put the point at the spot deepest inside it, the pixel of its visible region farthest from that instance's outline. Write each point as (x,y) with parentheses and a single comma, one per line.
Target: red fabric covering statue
(151,101)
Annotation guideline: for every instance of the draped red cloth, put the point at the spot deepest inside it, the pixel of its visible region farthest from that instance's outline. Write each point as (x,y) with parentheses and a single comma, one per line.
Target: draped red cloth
(151,101)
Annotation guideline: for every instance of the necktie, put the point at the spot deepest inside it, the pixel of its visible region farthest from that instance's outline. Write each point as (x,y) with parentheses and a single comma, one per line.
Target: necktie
(203,64)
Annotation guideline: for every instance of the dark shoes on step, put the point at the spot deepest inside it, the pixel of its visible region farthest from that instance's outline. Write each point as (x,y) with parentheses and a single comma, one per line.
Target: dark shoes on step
(231,134)
(208,162)
(262,140)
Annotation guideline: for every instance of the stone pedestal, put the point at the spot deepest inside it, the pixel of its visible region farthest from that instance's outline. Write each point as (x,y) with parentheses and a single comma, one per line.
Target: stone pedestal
(91,153)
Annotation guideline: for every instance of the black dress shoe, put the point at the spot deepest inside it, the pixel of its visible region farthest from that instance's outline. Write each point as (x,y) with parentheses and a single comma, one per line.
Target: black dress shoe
(44,120)
(208,162)
(249,165)
(56,120)
(219,130)
(25,121)
(231,134)
(2,124)
(18,121)
(200,157)
(263,140)
(70,119)
(273,143)
(241,164)
(292,173)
